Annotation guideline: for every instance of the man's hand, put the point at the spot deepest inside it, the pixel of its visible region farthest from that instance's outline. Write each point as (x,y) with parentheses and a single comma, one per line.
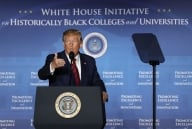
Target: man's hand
(105,96)
(57,62)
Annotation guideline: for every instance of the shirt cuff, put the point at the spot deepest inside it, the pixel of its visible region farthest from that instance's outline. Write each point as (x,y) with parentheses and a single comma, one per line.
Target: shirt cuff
(52,70)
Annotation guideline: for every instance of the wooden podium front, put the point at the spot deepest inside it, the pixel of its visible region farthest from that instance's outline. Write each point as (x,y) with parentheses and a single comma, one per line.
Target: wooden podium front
(69,108)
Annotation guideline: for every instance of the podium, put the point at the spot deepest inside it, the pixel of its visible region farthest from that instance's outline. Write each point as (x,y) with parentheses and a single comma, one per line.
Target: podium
(69,108)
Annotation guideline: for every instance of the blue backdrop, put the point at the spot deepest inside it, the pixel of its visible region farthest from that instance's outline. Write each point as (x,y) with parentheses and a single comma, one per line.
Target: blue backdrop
(29,30)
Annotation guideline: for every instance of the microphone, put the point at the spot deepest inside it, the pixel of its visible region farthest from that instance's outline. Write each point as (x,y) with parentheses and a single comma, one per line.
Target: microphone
(71,56)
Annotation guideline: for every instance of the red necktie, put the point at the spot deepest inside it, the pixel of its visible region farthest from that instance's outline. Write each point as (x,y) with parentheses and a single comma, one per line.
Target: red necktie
(75,72)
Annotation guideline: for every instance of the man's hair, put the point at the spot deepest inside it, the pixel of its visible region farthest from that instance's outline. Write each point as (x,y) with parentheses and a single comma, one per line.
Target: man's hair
(72,31)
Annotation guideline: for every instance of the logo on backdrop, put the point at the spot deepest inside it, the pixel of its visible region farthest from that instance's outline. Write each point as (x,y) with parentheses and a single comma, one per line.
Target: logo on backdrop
(95,44)
(67,105)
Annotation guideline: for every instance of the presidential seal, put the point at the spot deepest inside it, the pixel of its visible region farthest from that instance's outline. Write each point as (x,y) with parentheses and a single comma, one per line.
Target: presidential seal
(67,105)
(95,44)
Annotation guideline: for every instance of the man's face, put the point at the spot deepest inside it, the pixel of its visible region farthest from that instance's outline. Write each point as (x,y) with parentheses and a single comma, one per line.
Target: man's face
(72,43)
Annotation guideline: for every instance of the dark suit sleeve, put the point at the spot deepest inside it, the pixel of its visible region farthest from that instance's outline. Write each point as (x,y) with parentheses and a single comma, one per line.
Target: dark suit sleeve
(44,72)
(97,81)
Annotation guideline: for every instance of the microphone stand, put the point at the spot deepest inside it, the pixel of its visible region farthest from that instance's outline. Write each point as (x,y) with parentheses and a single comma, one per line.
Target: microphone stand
(71,56)
(70,72)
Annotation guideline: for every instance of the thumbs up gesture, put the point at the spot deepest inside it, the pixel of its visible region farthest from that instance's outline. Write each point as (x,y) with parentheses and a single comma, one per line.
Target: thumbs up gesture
(57,62)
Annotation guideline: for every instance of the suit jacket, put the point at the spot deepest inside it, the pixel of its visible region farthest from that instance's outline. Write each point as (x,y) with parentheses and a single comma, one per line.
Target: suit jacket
(63,76)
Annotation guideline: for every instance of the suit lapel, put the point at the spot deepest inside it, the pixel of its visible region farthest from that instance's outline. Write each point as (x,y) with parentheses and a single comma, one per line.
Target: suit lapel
(83,70)
(63,56)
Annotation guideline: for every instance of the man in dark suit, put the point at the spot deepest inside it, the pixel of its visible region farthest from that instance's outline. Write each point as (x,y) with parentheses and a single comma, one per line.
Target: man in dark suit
(57,67)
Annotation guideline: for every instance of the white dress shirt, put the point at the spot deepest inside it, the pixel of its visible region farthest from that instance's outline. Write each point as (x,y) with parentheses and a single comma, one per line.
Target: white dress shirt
(78,64)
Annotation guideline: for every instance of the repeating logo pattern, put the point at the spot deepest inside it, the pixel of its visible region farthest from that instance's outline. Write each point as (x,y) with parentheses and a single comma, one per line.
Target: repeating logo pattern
(95,44)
